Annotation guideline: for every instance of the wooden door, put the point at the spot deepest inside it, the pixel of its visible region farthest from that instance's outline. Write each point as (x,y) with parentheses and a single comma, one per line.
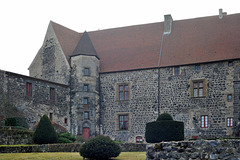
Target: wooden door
(86,132)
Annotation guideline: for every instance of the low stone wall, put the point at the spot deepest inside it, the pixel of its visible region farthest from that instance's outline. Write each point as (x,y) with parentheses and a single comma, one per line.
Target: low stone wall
(200,149)
(12,137)
(71,147)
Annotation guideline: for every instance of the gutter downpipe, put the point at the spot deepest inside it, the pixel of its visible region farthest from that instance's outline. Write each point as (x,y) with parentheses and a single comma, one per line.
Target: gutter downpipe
(159,73)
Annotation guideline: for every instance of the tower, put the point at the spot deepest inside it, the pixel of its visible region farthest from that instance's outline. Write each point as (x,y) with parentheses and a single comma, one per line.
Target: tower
(84,107)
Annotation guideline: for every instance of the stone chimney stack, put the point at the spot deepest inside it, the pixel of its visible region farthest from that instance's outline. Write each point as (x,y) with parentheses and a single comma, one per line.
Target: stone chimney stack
(167,23)
(221,13)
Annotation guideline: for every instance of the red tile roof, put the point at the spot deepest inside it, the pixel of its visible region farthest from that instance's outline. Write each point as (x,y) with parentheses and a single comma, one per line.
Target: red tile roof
(191,41)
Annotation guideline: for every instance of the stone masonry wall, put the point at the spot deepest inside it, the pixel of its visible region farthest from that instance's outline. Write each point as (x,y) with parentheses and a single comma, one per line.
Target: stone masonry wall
(176,99)
(142,106)
(200,149)
(34,107)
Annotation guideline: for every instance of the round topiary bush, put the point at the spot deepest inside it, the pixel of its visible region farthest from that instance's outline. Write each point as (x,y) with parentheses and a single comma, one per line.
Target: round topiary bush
(100,147)
(164,129)
(45,132)
(164,116)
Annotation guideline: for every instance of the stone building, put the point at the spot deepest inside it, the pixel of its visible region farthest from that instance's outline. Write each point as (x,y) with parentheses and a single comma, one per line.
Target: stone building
(114,81)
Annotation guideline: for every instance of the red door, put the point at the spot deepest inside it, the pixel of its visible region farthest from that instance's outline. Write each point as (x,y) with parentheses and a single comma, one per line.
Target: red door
(86,133)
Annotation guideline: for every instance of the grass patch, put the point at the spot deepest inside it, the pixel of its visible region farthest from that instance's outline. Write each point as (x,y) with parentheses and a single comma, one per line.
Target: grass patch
(66,155)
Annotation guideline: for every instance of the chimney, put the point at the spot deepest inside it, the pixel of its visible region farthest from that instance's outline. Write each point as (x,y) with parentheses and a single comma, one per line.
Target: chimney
(167,23)
(221,13)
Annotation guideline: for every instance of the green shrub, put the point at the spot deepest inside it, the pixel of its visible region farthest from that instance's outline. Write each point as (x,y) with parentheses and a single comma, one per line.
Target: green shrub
(45,132)
(10,122)
(16,121)
(164,116)
(100,147)
(63,140)
(81,139)
(66,138)
(164,130)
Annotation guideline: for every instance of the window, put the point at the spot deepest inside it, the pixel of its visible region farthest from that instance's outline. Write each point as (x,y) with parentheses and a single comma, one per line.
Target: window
(86,115)
(65,120)
(29,89)
(229,97)
(85,87)
(177,70)
(85,101)
(86,72)
(204,121)
(197,67)
(230,63)
(123,122)
(198,89)
(229,122)
(123,92)
(52,94)
(51,116)
(139,139)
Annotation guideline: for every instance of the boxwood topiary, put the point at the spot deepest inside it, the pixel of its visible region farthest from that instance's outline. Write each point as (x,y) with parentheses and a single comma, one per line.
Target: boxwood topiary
(100,147)
(45,132)
(164,129)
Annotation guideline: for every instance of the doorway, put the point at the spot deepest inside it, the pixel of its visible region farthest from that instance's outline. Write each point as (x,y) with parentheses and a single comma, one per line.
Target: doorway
(86,132)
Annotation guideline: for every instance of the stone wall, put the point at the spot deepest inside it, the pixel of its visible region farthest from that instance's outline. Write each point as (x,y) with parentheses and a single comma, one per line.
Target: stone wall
(200,149)
(35,106)
(156,91)
(142,106)
(13,137)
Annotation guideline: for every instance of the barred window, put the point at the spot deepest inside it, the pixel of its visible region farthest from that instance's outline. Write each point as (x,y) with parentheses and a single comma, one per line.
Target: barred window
(29,89)
(229,122)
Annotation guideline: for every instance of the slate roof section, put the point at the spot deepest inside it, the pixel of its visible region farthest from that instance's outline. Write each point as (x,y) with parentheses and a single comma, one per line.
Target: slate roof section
(192,41)
(85,47)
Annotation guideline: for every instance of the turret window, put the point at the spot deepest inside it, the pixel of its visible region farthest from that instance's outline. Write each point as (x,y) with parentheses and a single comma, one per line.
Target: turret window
(86,72)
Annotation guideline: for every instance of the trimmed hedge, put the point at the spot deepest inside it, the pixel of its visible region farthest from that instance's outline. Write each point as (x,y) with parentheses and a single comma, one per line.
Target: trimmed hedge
(66,138)
(164,130)
(100,147)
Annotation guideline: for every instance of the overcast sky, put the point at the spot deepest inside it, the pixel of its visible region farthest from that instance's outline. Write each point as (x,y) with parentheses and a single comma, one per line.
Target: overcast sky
(24,22)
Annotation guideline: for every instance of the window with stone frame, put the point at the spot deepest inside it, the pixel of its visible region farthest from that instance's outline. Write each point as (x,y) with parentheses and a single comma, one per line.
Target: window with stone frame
(176,70)
(52,94)
(86,72)
(86,115)
(229,122)
(230,63)
(123,92)
(204,121)
(29,89)
(85,101)
(198,88)
(85,87)
(123,122)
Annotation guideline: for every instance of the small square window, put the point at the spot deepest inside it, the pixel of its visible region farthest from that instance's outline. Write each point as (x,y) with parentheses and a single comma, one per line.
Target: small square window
(85,101)
(139,139)
(177,70)
(85,87)
(197,67)
(86,115)
(229,122)
(229,97)
(86,72)
(230,63)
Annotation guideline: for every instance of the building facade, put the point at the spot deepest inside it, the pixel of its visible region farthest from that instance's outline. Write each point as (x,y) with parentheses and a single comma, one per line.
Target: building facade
(114,81)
